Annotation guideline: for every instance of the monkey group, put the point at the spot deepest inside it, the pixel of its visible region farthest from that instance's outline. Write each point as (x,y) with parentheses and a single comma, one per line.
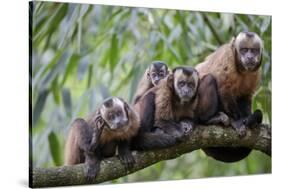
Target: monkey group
(168,104)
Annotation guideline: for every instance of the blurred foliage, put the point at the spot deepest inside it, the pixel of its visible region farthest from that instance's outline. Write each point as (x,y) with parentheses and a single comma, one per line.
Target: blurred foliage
(82,54)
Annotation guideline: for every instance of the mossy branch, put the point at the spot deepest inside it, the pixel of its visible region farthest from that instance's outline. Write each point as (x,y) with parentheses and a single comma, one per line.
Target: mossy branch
(111,168)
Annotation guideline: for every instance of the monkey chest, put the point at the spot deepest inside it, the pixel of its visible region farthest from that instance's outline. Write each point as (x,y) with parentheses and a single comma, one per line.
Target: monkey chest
(183,112)
(237,85)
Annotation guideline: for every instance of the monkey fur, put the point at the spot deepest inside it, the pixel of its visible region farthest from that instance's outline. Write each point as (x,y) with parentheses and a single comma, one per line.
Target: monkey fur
(236,68)
(111,127)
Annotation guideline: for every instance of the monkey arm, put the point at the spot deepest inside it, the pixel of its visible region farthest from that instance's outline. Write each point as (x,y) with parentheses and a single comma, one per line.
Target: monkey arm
(125,154)
(208,100)
(92,163)
(95,139)
(149,137)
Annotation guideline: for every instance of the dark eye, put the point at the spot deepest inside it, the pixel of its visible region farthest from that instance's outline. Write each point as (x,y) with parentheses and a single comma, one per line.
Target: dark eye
(255,51)
(110,116)
(161,74)
(181,83)
(153,74)
(191,85)
(243,50)
(118,114)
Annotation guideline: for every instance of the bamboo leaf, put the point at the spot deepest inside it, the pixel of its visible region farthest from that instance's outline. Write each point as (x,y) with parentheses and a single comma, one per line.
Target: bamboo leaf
(113,52)
(66,96)
(38,107)
(55,148)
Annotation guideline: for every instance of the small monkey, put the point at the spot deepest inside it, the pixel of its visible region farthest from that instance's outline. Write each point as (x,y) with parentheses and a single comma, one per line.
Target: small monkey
(157,71)
(111,127)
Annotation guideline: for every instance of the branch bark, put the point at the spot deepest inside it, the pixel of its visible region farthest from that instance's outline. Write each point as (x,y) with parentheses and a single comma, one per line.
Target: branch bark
(258,138)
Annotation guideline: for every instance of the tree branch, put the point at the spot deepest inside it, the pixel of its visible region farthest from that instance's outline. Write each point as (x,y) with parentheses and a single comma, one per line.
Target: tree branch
(111,168)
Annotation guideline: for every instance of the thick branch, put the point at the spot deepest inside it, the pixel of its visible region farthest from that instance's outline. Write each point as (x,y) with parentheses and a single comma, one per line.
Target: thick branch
(111,168)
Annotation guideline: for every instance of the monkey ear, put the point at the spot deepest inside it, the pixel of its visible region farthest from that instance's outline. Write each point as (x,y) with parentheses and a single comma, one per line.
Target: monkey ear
(99,121)
(170,80)
(147,74)
(232,42)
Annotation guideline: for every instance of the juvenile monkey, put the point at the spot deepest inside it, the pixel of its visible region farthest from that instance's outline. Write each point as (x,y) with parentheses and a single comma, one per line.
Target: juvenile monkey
(236,68)
(153,74)
(168,110)
(111,127)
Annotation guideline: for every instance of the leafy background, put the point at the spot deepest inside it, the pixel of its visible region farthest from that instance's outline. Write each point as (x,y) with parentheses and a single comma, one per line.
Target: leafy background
(82,54)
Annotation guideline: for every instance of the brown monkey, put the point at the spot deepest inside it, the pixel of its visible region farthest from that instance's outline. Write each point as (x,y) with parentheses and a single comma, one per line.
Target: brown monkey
(168,110)
(236,68)
(153,74)
(112,126)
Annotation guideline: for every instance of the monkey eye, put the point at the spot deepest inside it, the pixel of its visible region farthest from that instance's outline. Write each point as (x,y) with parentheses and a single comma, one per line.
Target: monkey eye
(161,74)
(118,113)
(111,116)
(153,74)
(191,84)
(255,51)
(243,50)
(181,83)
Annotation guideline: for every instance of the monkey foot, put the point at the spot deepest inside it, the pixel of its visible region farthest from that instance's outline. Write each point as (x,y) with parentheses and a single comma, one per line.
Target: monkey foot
(240,127)
(127,160)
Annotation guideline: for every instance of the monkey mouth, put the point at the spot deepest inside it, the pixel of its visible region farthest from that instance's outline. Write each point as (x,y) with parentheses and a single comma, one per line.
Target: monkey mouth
(155,82)
(251,65)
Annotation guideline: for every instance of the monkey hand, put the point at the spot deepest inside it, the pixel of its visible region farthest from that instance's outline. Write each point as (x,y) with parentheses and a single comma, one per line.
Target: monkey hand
(127,159)
(186,126)
(224,119)
(91,172)
(98,121)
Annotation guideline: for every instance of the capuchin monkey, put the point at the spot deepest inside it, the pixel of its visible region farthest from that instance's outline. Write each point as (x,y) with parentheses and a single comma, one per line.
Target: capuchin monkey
(236,68)
(111,127)
(169,110)
(154,73)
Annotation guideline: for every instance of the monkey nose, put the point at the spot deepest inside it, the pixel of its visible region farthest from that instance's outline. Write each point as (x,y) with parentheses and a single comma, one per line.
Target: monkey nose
(250,59)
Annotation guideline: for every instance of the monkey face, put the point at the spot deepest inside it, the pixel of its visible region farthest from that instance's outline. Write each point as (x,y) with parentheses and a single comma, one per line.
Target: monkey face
(185,83)
(114,113)
(157,71)
(248,46)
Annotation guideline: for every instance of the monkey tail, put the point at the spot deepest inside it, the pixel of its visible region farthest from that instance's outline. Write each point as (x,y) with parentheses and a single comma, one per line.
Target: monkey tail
(153,140)
(227,154)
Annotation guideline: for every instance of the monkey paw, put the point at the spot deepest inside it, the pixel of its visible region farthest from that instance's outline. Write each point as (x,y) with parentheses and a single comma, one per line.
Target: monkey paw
(91,172)
(240,127)
(127,160)
(224,119)
(186,127)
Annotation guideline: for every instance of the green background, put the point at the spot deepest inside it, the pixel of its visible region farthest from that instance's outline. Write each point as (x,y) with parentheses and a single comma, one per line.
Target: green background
(82,54)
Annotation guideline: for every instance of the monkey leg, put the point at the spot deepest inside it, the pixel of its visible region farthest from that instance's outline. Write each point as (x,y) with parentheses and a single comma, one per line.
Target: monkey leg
(125,154)
(78,142)
(156,139)
(174,129)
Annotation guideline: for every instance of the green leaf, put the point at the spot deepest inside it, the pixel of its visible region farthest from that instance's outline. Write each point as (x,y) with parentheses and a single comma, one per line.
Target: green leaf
(54,146)
(90,74)
(51,25)
(39,105)
(72,64)
(56,91)
(66,97)
(113,52)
